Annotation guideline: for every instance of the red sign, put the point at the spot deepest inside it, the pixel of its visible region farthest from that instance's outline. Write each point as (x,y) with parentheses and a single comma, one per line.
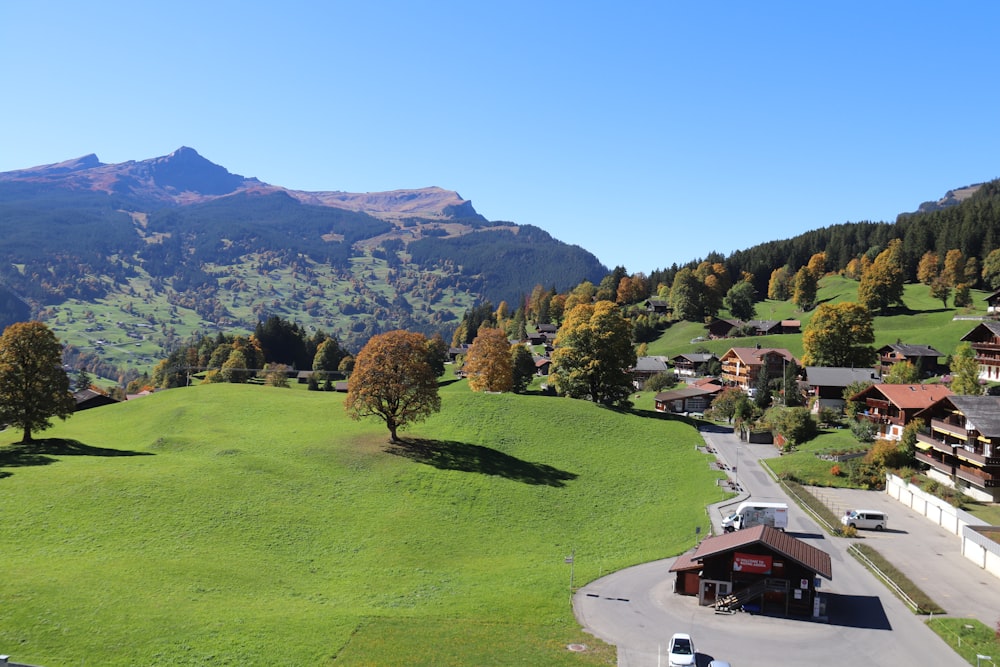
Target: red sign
(751,563)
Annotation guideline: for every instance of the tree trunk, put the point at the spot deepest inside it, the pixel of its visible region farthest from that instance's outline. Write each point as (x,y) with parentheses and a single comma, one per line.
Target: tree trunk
(392,433)
(27,436)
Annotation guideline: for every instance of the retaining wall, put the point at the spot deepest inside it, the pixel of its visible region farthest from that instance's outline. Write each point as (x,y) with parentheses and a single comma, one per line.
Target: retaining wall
(977,543)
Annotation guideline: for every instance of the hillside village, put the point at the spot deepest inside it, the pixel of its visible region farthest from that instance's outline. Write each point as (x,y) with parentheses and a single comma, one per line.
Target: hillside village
(826,369)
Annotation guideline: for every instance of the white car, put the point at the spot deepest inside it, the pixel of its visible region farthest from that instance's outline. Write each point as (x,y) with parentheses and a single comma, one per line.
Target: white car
(681,653)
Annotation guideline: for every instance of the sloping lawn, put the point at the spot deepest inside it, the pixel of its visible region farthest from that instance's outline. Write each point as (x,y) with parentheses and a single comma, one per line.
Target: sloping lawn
(226,524)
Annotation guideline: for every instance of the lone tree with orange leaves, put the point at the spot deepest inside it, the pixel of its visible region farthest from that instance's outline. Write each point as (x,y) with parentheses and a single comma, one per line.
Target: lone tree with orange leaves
(489,364)
(33,385)
(393,380)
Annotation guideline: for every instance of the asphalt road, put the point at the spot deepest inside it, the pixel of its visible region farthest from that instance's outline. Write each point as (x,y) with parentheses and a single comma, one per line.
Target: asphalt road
(636,610)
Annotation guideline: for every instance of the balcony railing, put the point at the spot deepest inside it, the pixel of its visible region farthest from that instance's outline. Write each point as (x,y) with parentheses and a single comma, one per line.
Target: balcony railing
(940,446)
(947,427)
(977,477)
(935,463)
(976,457)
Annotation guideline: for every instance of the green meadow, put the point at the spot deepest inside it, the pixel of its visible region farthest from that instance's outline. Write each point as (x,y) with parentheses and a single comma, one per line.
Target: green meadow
(233,524)
(924,321)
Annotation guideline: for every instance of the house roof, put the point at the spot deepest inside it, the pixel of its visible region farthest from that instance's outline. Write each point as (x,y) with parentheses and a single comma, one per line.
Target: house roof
(688,392)
(651,364)
(909,396)
(791,323)
(791,547)
(707,383)
(755,355)
(990,325)
(685,563)
(835,376)
(912,350)
(982,411)
(694,357)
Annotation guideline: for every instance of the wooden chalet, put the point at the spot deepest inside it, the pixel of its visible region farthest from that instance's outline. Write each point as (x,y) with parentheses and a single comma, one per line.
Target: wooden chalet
(742,365)
(993,303)
(923,357)
(85,399)
(961,444)
(725,328)
(985,340)
(657,306)
(647,367)
(892,406)
(760,569)
(687,399)
(827,384)
(690,364)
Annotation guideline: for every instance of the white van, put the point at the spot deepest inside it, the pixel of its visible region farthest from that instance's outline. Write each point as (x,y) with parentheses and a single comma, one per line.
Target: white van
(867,519)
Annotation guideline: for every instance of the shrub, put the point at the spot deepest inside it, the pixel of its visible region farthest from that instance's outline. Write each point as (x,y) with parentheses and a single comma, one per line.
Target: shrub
(866,474)
(835,470)
(661,381)
(849,531)
(864,431)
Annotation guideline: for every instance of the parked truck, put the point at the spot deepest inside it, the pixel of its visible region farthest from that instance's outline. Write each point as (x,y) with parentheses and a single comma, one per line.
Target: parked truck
(751,513)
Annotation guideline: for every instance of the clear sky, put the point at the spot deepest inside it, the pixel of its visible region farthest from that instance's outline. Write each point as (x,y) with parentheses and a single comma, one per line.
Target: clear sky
(646,132)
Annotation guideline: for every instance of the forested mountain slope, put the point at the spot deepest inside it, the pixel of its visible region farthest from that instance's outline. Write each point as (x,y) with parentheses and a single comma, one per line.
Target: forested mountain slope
(165,247)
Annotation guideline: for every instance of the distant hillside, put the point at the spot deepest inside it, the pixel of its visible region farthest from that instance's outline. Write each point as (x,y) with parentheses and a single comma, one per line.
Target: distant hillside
(967,219)
(169,246)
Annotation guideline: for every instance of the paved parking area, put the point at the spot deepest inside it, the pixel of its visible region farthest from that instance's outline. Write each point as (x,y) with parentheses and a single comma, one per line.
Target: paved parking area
(636,609)
(926,553)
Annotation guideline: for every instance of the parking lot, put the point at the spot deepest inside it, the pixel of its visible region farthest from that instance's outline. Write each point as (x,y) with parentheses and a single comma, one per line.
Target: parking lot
(636,609)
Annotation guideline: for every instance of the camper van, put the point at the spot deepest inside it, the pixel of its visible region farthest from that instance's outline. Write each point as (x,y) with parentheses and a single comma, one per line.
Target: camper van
(868,519)
(750,513)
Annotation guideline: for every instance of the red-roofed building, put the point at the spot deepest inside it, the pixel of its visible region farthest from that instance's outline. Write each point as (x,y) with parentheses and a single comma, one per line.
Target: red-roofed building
(757,567)
(742,365)
(892,406)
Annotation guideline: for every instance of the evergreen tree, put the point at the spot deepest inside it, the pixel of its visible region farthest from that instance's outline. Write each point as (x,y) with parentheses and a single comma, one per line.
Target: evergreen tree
(523,368)
(83,380)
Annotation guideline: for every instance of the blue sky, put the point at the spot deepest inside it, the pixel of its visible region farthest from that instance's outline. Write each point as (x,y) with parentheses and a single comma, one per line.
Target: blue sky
(646,132)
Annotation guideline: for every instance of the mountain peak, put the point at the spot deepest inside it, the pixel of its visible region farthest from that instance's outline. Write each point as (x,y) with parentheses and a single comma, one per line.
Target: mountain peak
(185,170)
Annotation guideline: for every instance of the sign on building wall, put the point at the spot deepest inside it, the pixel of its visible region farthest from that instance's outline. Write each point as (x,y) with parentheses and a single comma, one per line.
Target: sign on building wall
(751,564)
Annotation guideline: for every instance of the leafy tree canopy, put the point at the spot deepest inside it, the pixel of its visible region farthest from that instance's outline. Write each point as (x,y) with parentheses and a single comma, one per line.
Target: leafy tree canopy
(839,335)
(393,381)
(593,355)
(33,385)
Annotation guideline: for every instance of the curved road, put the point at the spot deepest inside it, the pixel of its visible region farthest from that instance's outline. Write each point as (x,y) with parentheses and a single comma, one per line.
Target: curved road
(636,610)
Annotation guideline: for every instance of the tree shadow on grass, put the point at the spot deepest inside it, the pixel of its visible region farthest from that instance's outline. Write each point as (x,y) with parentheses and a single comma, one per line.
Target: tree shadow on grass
(43,452)
(452,455)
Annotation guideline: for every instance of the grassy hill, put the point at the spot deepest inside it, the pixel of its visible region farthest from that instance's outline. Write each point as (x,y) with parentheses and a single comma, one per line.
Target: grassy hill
(229,524)
(925,322)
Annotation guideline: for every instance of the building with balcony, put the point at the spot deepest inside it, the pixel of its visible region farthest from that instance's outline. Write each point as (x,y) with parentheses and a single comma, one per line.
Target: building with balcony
(923,357)
(960,441)
(827,384)
(985,341)
(741,366)
(892,406)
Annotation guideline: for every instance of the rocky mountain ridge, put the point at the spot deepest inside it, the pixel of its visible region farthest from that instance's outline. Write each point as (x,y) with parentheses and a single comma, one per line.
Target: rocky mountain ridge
(185,177)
